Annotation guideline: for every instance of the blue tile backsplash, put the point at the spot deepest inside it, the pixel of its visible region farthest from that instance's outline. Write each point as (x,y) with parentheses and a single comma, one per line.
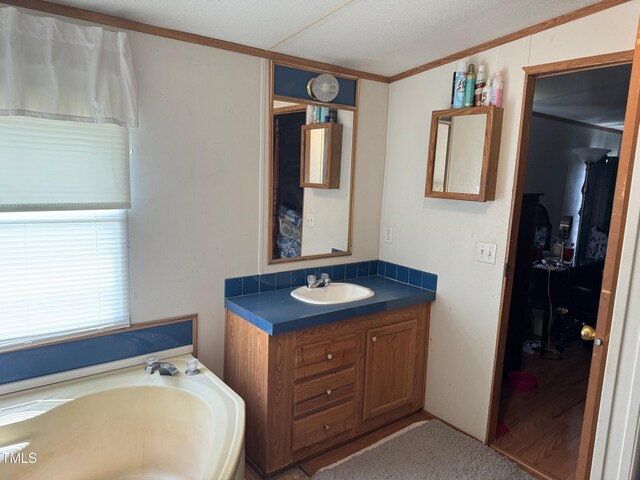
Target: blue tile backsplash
(234,287)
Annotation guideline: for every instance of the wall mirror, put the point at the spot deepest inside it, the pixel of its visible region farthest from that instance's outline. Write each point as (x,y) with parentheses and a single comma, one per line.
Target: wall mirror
(311,168)
(463,153)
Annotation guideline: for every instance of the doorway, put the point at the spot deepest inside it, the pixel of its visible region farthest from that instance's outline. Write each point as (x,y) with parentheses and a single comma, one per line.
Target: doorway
(563,254)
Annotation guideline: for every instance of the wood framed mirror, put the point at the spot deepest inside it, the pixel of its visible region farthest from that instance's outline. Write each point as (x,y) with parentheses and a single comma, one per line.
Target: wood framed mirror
(464,147)
(321,155)
(311,167)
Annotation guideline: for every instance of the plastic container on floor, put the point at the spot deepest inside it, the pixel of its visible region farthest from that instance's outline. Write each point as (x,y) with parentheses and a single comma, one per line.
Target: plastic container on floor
(522,381)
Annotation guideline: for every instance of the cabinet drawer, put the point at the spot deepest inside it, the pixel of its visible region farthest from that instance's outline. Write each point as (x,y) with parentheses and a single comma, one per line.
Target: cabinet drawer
(322,426)
(324,391)
(321,357)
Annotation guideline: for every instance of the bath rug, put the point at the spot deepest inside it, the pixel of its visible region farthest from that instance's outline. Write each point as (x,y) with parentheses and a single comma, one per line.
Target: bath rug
(425,451)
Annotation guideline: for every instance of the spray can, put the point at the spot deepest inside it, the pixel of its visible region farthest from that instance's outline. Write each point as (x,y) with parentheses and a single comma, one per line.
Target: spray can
(470,87)
(496,89)
(486,94)
(460,84)
(481,81)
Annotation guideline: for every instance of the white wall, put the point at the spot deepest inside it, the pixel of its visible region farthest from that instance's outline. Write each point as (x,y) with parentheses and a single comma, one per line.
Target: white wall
(198,181)
(554,170)
(195,178)
(439,235)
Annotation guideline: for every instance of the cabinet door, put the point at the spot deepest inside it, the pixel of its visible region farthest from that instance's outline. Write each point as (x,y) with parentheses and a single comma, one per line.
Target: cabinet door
(389,367)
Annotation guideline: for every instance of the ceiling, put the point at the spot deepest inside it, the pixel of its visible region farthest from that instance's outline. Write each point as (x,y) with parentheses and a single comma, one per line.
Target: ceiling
(598,97)
(385,37)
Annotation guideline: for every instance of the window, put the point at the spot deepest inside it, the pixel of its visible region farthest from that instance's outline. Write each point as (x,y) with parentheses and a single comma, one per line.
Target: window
(63,229)
(67,101)
(62,273)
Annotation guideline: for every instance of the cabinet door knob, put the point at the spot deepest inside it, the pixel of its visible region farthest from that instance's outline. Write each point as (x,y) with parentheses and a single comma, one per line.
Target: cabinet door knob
(326,427)
(374,339)
(329,356)
(328,392)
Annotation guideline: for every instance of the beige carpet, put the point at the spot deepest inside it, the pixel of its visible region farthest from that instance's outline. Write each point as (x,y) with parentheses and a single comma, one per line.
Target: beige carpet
(428,451)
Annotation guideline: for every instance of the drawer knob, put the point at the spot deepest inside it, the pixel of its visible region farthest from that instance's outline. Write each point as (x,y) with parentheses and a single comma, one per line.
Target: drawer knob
(329,356)
(328,392)
(374,339)
(326,427)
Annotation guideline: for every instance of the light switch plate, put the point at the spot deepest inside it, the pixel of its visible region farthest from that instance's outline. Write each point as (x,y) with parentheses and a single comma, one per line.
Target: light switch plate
(486,252)
(388,234)
(310,220)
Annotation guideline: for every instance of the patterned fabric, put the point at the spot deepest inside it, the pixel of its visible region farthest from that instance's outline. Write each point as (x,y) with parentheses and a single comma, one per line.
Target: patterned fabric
(597,244)
(289,233)
(290,215)
(289,247)
(541,236)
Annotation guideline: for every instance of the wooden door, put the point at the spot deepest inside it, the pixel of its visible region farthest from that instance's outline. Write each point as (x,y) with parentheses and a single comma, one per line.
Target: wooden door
(389,365)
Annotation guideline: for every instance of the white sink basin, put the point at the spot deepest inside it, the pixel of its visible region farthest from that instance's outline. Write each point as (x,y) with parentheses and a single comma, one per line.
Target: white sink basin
(334,293)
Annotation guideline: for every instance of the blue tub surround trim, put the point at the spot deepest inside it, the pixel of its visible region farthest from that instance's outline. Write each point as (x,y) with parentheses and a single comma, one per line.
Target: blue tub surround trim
(139,339)
(278,312)
(234,287)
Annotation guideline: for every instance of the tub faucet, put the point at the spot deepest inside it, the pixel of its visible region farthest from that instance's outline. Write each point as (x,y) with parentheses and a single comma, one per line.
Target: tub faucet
(165,368)
(324,281)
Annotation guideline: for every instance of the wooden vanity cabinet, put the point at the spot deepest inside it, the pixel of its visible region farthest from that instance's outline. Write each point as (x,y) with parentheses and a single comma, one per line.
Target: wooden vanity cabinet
(311,390)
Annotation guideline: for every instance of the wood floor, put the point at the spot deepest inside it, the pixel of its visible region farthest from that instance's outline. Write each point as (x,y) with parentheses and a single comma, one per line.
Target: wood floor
(544,425)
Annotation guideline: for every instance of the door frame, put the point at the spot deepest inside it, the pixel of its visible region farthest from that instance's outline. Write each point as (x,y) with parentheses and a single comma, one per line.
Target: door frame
(616,233)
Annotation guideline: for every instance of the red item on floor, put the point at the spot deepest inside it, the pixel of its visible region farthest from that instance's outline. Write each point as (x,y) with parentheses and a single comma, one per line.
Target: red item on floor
(522,381)
(501,429)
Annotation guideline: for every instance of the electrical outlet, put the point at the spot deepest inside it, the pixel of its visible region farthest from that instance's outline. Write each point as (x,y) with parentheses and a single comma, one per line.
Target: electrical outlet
(310,220)
(486,252)
(388,234)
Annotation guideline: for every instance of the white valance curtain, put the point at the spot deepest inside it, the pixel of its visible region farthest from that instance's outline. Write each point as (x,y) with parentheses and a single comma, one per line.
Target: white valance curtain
(59,70)
(67,98)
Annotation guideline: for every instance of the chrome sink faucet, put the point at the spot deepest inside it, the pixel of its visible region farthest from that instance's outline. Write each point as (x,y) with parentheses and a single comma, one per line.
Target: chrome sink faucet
(164,368)
(324,281)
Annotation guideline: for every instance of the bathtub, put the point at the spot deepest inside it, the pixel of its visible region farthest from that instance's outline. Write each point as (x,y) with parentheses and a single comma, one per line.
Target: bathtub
(124,424)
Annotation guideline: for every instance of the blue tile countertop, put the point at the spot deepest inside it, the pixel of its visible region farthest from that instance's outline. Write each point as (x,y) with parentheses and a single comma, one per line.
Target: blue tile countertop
(278,312)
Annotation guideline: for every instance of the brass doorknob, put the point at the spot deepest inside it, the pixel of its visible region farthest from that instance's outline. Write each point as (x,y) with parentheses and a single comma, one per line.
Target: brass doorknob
(588,333)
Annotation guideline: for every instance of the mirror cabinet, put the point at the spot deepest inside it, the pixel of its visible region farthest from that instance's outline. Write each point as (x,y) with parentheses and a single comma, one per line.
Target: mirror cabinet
(464,147)
(312,158)
(320,155)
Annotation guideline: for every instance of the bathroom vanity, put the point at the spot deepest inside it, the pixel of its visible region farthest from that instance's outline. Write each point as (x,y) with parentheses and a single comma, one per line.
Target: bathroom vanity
(314,377)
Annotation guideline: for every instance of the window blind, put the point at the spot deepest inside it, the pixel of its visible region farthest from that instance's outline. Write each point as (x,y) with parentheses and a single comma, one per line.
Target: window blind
(62,165)
(62,274)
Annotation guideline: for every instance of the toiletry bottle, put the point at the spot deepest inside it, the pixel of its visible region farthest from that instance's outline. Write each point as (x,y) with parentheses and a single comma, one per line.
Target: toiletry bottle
(496,89)
(486,94)
(470,87)
(461,83)
(481,81)
(453,87)
(324,114)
